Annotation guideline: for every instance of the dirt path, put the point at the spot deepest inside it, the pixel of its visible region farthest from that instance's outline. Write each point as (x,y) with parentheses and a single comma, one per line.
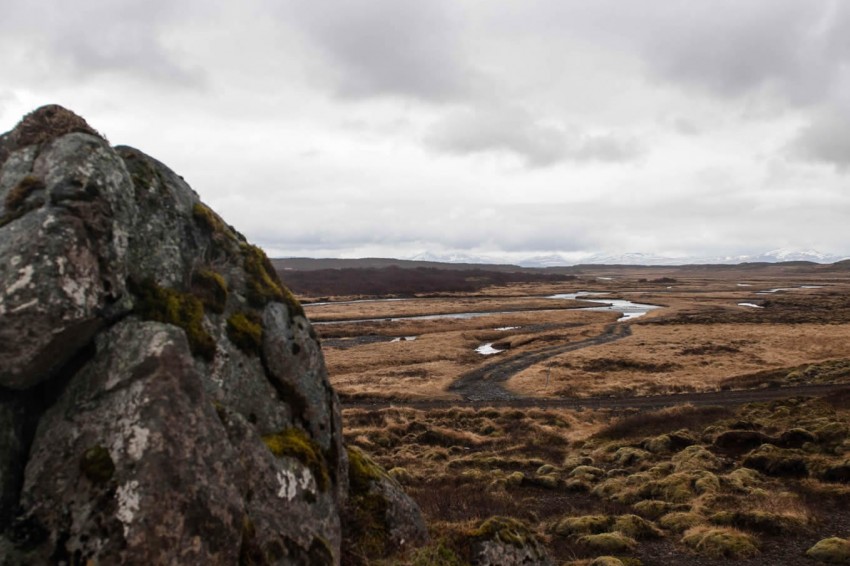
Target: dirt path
(485,384)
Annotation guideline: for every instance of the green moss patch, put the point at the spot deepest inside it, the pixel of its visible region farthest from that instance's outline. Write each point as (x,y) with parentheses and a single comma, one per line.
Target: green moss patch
(585,525)
(504,529)
(365,525)
(831,550)
(720,542)
(294,443)
(97,465)
(212,222)
(173,307)
(636,527)
(609,543)
(211,288)
(263,284)
(245,330)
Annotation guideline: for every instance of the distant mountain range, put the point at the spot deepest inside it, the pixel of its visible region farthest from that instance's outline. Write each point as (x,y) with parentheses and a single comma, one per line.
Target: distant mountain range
(635,258)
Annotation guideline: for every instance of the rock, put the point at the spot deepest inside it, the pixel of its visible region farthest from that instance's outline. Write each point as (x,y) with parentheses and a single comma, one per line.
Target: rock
(503,541)
(379,517)
(163,398)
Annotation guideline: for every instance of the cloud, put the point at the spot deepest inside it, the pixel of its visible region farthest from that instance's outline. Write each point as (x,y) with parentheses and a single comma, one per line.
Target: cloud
(731,48)
(389,48)
(826,139)
(537,143)
(49,41)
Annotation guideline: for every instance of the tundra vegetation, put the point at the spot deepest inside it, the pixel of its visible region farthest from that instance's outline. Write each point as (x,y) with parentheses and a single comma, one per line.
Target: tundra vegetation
(749,483)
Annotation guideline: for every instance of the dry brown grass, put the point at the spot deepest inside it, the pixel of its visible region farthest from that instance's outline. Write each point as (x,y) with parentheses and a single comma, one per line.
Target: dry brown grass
(695,358)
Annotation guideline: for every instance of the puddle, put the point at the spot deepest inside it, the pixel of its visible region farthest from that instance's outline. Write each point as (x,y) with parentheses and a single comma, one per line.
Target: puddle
(628,309)
(782,289)
(751,305)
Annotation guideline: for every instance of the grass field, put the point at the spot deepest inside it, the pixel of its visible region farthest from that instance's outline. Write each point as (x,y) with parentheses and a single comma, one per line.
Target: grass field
(760,483)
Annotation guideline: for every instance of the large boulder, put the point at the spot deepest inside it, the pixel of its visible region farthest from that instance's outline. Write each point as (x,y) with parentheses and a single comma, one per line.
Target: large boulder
(163,398)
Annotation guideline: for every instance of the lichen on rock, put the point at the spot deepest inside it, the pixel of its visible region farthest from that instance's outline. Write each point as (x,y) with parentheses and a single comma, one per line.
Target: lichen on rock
(170,403)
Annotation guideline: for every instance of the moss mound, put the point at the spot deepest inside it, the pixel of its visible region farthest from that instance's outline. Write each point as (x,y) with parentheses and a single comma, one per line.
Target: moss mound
(831,550)
(245,330)
(211,288)
(606,561)
(173,307)
(759,521)
(294,443)
(636,527)
(263,284)
(97,465)
(720,542)
(585,525)
(504,529)
(680,521)
(609,543)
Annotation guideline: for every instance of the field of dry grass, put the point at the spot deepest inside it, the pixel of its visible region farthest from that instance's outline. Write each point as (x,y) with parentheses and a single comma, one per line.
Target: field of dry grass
(699,340)
(754,484)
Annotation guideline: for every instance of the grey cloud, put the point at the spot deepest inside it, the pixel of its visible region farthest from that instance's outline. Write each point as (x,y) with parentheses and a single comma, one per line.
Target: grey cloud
(826,139)
(386,47)
(731,48)
(537,143)
(95,37)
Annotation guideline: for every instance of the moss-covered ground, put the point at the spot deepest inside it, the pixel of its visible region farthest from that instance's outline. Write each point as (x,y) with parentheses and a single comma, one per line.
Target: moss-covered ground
(645,488)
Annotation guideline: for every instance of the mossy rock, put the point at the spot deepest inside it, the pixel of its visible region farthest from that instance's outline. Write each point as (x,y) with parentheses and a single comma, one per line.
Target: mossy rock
(401,475)
(759,521)
(438,553)
(515,479)
(262,282)
(636,527)
(211,288)
(695,458)
(609,543)
(590,473)
(680,521)
(832,550)
(628,456)
(778,462)
(546,469)
(179,309)
(97,465)
(245,330)
(720,542)
(295,443)
(652,508)
(548,481)
(658,444)
(504,529)
(572,462)
(584,525)
(742,479)
(212,223)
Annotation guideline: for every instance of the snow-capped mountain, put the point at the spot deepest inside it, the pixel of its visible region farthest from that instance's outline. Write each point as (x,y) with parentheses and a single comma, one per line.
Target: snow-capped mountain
(631,258)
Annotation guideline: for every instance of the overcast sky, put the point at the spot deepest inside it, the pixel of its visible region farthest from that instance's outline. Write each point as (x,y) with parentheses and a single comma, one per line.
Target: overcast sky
(493,128)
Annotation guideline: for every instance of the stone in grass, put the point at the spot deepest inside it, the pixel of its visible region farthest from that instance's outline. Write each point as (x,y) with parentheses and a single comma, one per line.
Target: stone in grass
(505,541)
(720,542)
(832,550)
